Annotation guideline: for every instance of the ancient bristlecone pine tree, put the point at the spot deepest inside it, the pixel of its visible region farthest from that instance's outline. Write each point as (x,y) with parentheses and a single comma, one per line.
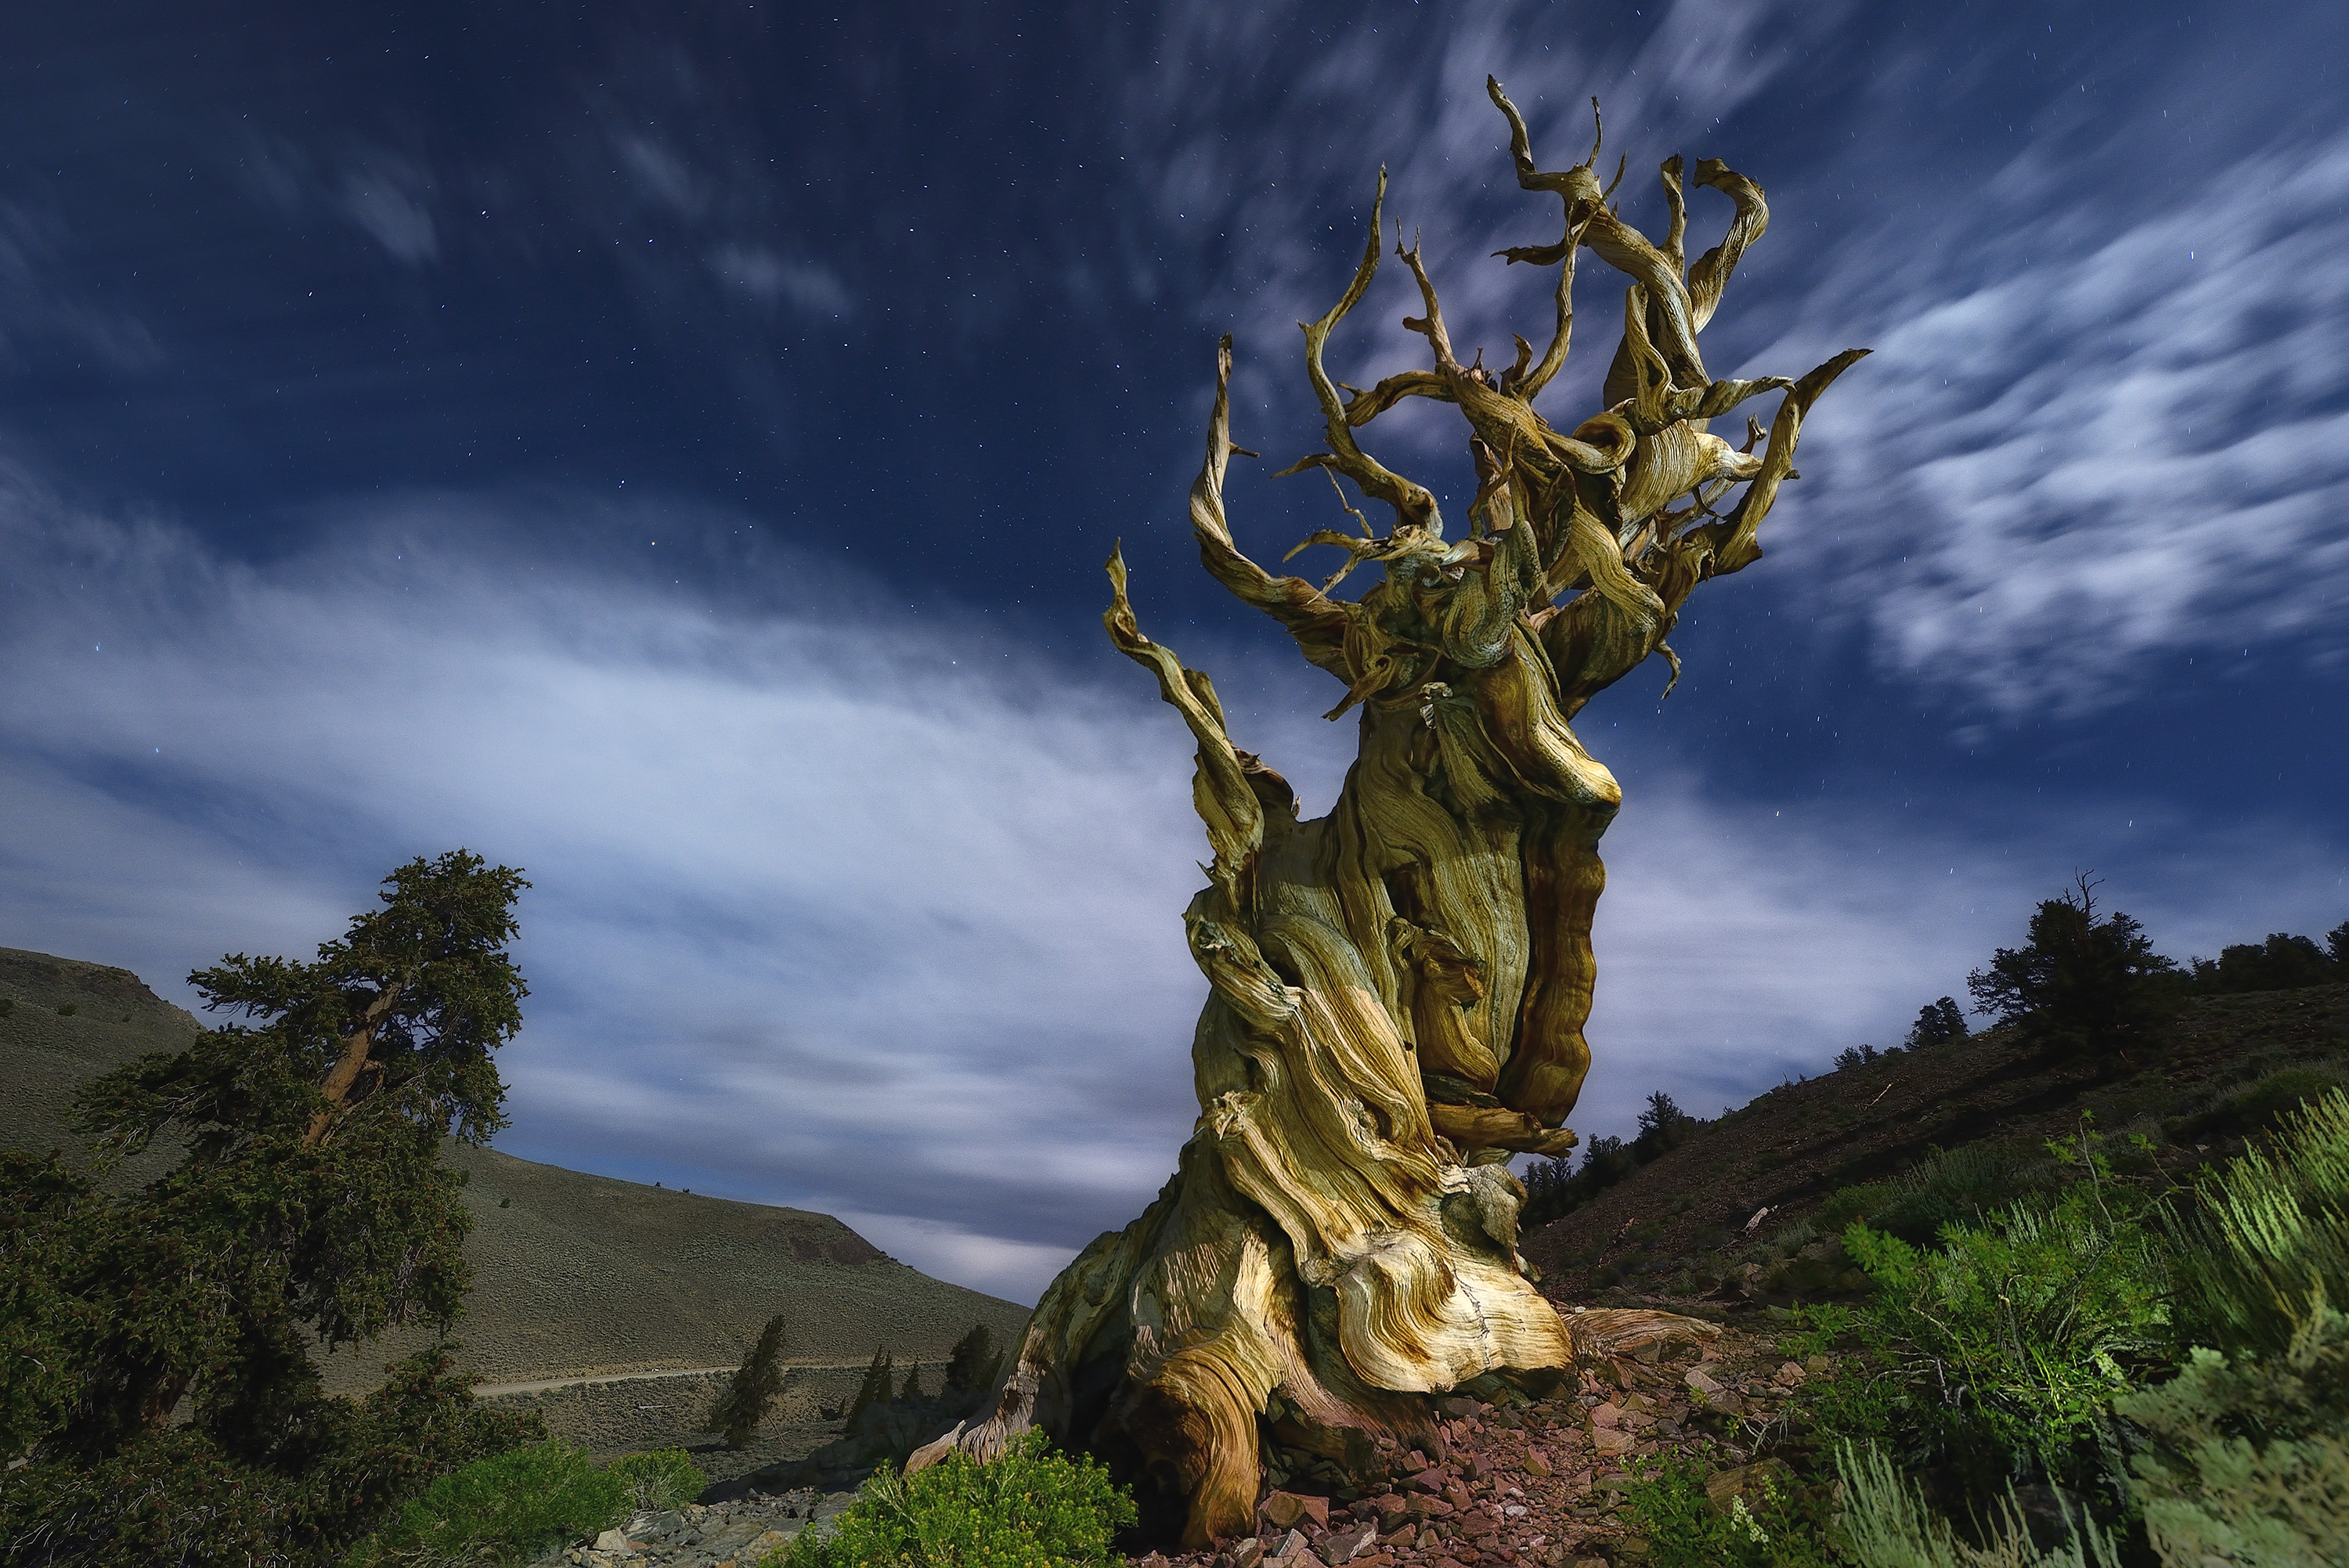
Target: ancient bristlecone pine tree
(1399,989)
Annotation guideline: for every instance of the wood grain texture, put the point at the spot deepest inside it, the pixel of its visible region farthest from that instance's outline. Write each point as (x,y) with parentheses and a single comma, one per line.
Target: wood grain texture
(1399,989)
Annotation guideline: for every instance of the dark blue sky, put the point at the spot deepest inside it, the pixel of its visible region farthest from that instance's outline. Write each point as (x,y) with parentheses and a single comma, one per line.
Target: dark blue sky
(674,449)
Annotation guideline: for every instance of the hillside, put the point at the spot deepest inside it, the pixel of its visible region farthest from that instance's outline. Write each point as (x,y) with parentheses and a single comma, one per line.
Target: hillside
(1676,1230)
(576,1275)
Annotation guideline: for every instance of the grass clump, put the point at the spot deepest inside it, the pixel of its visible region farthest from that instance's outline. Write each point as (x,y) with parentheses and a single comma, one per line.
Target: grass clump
(1952,1186)
(517,1506)
(1886,1524)
(659,1478)
(2267,1231)
(1030,1507)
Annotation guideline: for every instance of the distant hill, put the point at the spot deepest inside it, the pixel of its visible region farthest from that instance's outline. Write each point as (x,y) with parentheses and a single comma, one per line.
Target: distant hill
(574,1275)
(1676,1231)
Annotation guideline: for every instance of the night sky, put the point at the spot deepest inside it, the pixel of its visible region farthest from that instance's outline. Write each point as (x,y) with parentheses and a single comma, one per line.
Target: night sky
(673,450)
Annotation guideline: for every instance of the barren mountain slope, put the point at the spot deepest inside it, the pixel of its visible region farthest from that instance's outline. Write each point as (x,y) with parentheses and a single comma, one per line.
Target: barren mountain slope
(573,1274)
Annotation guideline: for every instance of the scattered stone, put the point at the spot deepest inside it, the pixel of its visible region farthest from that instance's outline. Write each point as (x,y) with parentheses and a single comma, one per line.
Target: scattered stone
(1285,1508)
(1537,1463)
(1344,1546)
(1247,1553)
(614,1540)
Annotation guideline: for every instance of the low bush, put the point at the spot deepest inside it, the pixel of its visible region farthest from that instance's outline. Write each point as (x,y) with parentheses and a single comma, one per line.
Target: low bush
(1947,1187)
(2016,1334)
(2248,1461)
(517,1506)
(1770,1524)
(1030,1507)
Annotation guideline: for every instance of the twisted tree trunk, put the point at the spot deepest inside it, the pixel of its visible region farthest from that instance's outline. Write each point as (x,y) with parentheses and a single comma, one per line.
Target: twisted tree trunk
(1399,989)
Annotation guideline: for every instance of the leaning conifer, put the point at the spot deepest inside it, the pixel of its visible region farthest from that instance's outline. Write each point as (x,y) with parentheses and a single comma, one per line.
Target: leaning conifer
(753,1391)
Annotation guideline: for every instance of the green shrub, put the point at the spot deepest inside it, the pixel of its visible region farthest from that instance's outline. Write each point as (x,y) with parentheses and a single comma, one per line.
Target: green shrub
(1780,1527)
(1887,1524)
(67,1010)
(2248,1462)
(512,1508)
(2019,1325)
(2267,1230)
(1028,1509)
(659,1478)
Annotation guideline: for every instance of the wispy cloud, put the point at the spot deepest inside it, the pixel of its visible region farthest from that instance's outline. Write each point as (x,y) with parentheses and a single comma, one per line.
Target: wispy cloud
(43,301)
(2126,445)
(829,909)
(388,198)
(771,280)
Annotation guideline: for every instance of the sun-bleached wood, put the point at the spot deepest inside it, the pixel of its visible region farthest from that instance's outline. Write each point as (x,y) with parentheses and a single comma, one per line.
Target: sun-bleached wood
(1399,987)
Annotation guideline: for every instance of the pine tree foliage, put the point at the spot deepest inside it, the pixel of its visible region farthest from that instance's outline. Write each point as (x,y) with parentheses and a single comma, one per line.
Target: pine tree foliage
(756,1386)
(1939,1023)
(878,1387)
(2080,984)
(174,1325)
(972,1364)
(2283,962)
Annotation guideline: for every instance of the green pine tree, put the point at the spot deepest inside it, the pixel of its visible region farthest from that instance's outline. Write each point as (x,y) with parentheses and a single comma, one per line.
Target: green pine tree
(875,1389)
(2080,984)
(973,1363)
(752,1393)
(176,1322)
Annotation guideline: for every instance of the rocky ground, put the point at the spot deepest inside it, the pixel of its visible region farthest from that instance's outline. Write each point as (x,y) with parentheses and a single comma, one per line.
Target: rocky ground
(737,1534)
(1540,1483)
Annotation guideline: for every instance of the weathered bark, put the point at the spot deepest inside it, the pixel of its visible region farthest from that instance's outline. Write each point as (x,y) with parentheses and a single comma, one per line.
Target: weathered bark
(1399,987)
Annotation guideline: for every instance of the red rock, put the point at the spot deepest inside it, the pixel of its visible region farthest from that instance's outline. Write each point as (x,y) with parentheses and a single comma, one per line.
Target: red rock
(1429,1480)
(1287,1509)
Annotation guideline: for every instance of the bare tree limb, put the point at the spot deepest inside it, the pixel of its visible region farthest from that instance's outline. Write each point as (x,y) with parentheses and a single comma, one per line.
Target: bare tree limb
(1415,507)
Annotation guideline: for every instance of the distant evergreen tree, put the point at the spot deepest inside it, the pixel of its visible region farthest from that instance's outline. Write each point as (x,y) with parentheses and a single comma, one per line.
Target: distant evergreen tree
(2281,963)
(1662,1126)
(1938,1023)
(752,1393)
(1856,1056)
(912,1389)
(877,1385)
(2079,984)
(972,1364)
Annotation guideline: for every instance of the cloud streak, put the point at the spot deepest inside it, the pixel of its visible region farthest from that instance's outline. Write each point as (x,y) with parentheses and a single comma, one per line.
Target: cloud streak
(824,912)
